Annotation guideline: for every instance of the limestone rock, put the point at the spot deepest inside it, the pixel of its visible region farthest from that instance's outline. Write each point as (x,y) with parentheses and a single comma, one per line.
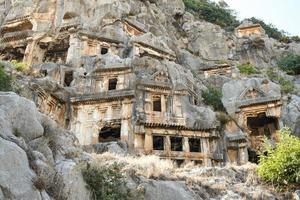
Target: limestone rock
(168,190)
(291,114)
(21,115)
(15,175)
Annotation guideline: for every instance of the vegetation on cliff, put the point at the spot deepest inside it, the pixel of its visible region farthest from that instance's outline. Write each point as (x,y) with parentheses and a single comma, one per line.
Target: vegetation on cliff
(219,14)
(281,165)
(212,96)
(5,80)
(290,63)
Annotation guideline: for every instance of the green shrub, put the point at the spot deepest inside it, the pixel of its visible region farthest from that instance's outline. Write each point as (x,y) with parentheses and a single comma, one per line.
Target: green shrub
(212,96)
(290,63)
(20,66)
(281,165)
(247,68)
(219,14)
(286,85)
(5,80)
(106,182)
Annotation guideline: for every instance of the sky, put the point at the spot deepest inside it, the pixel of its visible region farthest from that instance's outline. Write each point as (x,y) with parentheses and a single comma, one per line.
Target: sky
(284,14)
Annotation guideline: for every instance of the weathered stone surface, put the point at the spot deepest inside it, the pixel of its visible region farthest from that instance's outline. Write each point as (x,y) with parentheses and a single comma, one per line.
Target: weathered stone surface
(168,190)
(15,175)
(74,185)
(21,116)
(233,90)
(291,114)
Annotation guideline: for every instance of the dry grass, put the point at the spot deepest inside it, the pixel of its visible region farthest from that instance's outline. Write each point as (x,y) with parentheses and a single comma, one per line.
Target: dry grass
(147,166)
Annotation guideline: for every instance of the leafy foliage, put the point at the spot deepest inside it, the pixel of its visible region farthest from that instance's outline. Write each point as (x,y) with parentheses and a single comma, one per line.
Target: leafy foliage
(286,85)
(281,165)
(5,80)
(20,66)
(106,182)
(247,68)
(219,14)
(212,96)
(290,63)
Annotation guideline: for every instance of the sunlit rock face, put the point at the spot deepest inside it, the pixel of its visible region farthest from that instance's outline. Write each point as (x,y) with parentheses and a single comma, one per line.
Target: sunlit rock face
(135,71)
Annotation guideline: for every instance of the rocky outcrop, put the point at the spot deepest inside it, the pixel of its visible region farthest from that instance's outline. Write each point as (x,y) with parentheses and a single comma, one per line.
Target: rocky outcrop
(291,114)
(16,177)
(39,159)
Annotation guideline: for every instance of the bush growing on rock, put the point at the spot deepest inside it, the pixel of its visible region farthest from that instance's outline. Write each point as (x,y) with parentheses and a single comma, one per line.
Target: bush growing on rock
(212,96)
(281,165)
(106,182)
(5,80)
(286,85)
(247,68)
(219,14)
(290,63)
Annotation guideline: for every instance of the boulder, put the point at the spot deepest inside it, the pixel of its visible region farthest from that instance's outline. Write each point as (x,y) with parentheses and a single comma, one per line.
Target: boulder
(21,116)
(291,114)
(15,175)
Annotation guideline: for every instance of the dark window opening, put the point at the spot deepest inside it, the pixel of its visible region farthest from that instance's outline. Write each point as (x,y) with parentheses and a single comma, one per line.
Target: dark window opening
(176,144)
(158,143)
(112,84)
(262,125)
(109,134)
(68,78)
(195,144)
(10,54)
(157,104)
(57,52)
(179,162)
(198,162)
(44,72)
(104,50)
(253,157)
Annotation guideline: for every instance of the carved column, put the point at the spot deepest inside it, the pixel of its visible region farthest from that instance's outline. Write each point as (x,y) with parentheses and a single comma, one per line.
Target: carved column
(148,141)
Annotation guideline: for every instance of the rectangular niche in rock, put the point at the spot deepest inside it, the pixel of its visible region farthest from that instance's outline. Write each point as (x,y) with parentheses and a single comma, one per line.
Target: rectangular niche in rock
(158,143)
(176,144)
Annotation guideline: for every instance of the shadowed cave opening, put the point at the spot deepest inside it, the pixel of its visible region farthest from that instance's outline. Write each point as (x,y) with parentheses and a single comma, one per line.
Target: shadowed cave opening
(9,54)
(158,143)
(195,145)
(109,134)
(176,144)
(260,127)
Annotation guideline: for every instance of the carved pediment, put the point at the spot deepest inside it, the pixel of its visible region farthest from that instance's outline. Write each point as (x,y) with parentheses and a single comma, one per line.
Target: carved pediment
(161,76)
(252,93)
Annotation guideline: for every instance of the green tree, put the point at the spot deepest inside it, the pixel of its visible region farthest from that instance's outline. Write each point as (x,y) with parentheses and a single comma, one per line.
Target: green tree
(106,182)
(281,165)
(212,96)
(290,63)
(5,80)
(219,14)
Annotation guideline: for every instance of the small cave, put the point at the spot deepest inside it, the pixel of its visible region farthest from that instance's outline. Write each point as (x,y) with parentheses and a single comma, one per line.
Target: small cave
(10,54)
(262,125)
(112,84)
(176,144)
(104,50)
(157,104)
(109,134)
(158,143)
(253,156)
(195,145)
(68,78)
(57,52)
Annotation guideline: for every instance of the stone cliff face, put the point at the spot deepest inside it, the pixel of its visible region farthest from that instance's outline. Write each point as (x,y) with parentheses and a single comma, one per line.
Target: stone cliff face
(134,71)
